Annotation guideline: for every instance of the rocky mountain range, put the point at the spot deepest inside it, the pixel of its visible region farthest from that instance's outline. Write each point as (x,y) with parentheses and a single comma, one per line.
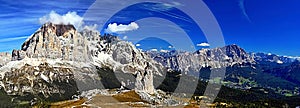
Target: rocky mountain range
(226,56)
(58,55)
(243,70)
(59,60)
(263,57)
(194,61)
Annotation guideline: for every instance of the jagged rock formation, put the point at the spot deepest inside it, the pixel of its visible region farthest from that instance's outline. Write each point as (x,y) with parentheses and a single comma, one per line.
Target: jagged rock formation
(36,79)
(193,62)
(18,55)
(55,41)
(123,56)
(4,58)
(59,53)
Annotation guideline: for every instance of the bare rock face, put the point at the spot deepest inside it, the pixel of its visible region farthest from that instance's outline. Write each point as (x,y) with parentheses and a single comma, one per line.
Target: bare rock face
(137,62)
(18,55)
(124,57)
(4,58)
(57,42)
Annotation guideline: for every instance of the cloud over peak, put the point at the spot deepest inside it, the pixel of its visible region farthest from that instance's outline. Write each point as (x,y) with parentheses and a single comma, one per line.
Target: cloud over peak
(138,45)
(68,18)
(121,28)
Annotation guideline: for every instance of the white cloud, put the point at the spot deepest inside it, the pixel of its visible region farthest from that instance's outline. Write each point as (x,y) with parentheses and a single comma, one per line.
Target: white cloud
(154,50)
(137,45)
(125,37)
(164,51)
(170,47)
(243,9)
(69,18)
(121,28)
(203,45)
(13,39)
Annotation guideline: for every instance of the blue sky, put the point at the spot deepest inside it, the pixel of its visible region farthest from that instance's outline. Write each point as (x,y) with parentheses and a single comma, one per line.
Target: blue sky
(256,25)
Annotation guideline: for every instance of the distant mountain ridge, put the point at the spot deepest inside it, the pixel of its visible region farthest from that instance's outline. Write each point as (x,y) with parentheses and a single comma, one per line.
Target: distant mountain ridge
(263,57)
(193,62)
(215,58)
(243,70)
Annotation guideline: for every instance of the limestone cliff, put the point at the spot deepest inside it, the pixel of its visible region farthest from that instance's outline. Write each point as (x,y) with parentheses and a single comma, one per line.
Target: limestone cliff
(60,53)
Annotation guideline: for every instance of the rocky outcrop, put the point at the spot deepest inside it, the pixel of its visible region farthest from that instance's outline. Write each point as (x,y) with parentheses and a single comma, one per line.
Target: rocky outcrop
(43,78)
(18,55)
(4,58)
(193,62)
(124,57)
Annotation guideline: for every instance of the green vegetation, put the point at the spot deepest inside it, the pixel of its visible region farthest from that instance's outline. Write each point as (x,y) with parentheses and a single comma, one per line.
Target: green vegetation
(6,100)
(255,97)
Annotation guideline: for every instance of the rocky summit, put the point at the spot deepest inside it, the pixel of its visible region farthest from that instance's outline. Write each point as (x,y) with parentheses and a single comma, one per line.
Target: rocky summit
(55,41)
(57,58)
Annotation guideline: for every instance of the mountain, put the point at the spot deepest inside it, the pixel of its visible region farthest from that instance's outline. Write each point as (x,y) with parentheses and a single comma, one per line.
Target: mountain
(243,70)
(284,67)
(271,58)
(193,62)
(57,59)
(57,63)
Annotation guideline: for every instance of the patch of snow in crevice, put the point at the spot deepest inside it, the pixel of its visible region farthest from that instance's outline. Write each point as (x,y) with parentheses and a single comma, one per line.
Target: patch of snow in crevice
(104,59)
(45,78)
(91,93)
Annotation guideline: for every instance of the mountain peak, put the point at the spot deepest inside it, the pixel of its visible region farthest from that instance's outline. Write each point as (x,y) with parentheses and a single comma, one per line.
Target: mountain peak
(233,46)
(59,29)
(53,41)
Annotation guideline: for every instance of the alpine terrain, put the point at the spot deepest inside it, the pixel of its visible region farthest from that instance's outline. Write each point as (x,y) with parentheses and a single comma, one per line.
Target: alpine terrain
(60,66)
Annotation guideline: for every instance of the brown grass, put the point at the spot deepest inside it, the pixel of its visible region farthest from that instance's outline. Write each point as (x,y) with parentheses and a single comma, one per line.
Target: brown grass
(118,100)
(68,104)
(192,106)
(130,96)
